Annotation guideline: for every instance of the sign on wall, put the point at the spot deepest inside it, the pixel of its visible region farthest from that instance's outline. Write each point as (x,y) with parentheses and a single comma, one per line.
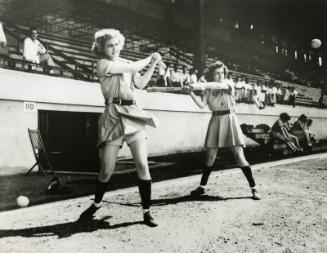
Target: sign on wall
(29,107)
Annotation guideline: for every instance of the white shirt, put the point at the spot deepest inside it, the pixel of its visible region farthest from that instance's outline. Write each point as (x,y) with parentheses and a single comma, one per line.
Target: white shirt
(194,78)
(2,35)
(175,76)
(32,50)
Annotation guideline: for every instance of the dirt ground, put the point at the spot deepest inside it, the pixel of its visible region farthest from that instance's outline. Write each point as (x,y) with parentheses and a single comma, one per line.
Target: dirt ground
(291,217)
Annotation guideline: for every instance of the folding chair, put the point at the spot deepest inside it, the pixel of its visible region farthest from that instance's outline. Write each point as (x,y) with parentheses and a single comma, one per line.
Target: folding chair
(41,156)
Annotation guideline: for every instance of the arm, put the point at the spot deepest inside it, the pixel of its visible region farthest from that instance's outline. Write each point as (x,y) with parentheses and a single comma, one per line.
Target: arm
(124,67)
(201,102)
(141,81)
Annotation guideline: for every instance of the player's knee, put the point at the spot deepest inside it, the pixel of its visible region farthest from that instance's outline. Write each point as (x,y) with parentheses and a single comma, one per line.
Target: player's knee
(104,175)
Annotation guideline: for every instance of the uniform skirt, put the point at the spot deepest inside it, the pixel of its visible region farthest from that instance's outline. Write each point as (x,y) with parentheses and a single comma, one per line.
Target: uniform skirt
(224,131)
(117,121)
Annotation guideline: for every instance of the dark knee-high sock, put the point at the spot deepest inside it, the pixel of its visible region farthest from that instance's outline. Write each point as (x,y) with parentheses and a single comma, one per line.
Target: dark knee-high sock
(205,175)
(145,193)
(248,174)
(100,189)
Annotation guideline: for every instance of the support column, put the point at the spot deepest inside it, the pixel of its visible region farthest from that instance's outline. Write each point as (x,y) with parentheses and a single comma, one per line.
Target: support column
(199,46)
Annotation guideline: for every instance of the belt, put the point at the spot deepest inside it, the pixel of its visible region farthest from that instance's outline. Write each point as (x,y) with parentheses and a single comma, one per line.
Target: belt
(119,101)
(218,113)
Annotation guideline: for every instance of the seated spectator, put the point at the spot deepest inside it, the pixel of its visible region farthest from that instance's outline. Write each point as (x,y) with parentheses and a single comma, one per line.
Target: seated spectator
(268,95)
(193,75)
(286,98)
(273,95)
(293,96)
(256,99)
(300,130)
(279,94)
(280,132)
(161,80)
(3,45)
(35,52)
(202,78)
(185,77)
(175,78)
(238,90)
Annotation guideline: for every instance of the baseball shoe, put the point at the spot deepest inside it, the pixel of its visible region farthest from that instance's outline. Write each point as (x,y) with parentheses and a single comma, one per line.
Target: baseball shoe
(149,220)
(88,213)
(198,191)
(255,194)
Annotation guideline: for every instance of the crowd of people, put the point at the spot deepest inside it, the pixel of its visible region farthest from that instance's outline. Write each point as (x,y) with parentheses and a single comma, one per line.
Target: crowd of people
(260,93)
(297,136)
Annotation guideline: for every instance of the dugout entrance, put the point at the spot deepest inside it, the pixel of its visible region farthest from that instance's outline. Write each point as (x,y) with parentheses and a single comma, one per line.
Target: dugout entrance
(70,138)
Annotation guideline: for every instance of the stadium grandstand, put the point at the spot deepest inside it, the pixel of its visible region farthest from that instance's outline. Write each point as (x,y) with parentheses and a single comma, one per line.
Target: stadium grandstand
(257,40)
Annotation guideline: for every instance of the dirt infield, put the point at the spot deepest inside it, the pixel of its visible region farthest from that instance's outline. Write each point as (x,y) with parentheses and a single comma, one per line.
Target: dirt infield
(292,217)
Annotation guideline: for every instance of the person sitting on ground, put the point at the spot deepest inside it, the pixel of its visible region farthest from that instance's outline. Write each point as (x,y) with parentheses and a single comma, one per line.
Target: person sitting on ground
(312,136)
(300,130)
(35,52)
(279,131)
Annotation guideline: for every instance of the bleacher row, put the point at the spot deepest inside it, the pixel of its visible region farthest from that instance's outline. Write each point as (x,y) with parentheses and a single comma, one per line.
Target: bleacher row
(75,60)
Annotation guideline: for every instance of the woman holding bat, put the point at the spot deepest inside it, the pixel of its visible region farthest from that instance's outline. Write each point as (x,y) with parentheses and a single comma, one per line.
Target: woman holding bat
(122,120)
(224,130)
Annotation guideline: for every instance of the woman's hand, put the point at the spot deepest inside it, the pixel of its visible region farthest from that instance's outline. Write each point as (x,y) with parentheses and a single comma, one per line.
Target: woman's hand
(156,57)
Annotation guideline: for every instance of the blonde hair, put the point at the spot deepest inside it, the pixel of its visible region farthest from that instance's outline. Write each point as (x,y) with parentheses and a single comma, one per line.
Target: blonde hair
(102,36)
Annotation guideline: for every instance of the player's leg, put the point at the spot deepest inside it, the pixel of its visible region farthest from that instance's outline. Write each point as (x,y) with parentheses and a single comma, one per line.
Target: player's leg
(210,161)
(140,154)
(247,171)
(107,156)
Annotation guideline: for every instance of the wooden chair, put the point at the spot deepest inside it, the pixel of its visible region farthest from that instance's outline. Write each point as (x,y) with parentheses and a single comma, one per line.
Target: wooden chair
(41,156)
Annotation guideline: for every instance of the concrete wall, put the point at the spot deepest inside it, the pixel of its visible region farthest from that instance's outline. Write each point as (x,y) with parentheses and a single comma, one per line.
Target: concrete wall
(182,124)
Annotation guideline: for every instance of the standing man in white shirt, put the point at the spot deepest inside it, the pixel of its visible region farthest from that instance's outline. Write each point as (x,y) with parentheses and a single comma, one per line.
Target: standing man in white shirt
(35,52)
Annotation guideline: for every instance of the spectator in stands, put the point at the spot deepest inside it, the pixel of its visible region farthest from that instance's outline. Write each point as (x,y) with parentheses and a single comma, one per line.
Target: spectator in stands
(161,80)
(300,130)
(280,132)
(293,96)
(3,45)
(279,94)
(35,52)
(175,77)
(167,75)
(273,95)
(286,98)
(323,96)
(193,75)
(202,78)
(185,76)
(238,90)
(256,99)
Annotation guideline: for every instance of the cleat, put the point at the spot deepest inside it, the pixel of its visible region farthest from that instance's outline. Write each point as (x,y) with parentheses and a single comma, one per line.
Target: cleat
(88,213)
(198,191)
(255,194)
(149,220)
